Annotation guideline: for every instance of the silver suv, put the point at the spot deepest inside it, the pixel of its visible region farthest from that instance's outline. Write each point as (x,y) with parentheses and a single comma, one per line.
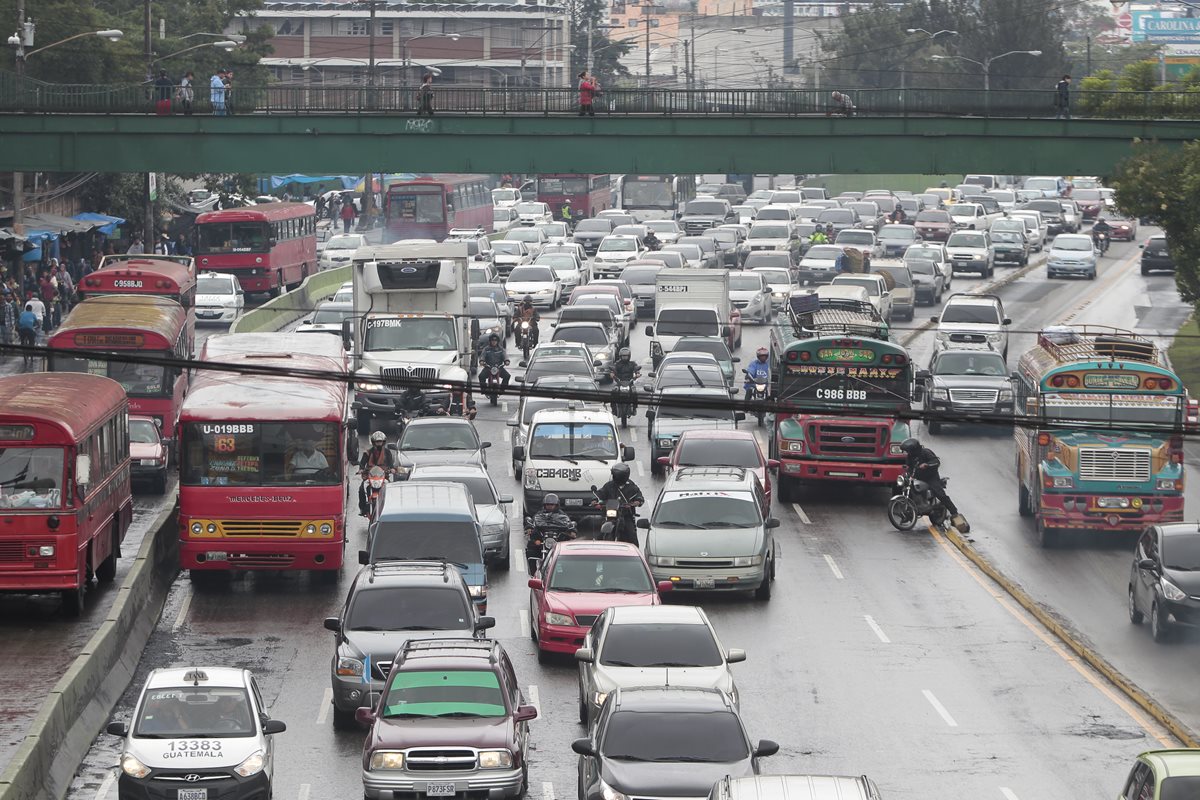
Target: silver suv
(972,320)
(708,533)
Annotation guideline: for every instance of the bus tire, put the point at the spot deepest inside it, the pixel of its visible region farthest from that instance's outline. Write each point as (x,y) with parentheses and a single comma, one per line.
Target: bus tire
(1047,537)
(1024,504)
(106,571)
(72,602)
(364,422)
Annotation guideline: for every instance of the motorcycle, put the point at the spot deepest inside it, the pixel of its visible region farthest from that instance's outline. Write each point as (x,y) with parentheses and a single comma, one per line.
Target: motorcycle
(493,382)
(914,499)
(756,393)
(618,522)
(374,482)
(624,404)
(540,541)
(526,336)
(1101,239)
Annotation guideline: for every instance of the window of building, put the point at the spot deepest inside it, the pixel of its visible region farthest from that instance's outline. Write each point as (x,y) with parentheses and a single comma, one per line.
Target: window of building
(385,27)
(352,27)
(290,27)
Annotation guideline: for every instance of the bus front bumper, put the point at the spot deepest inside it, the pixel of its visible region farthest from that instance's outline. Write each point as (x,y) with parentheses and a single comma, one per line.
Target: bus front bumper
(845,471)
(1105,512)
(279,554)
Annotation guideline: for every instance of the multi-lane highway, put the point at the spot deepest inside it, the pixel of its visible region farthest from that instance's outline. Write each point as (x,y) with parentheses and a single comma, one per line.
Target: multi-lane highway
(880,653)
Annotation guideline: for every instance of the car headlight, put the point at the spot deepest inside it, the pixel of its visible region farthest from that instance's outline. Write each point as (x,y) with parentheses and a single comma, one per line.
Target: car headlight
(995,337)
(940,394)
(349,667)
(598,698)
(779,295)
(1171,591)
(1063,482)
(553,618)
(403,471)
(662,561)
(387,759)
(1162,485)
(132,767)
(747,561)
(977,257)
(1006,395)
(609,793)
(496,529)
(666,442)
(252,765)
(942,336)
(603,356)
(364,386)
(495,759)
(531,480)
(476,591)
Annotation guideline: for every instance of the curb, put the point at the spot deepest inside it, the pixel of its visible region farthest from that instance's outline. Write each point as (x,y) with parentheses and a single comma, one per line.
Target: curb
(1068,637)
(987,287)
(79,705)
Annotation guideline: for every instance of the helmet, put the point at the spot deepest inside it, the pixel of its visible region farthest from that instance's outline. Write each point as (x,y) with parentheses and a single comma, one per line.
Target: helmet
(623,352)
(528,301)
(761,353)
(550,499)
(910,446)
(378,437)
(620,472)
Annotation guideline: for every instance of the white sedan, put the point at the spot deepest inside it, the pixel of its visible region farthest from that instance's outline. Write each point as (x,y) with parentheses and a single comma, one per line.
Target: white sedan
(541,283)
(219,298)
(570,271)
(781,282)
(340,249)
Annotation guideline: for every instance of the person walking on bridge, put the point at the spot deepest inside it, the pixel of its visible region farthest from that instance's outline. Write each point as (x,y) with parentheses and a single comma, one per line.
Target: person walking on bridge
(426,109)
(588,89)
(216,95)
(1062,98)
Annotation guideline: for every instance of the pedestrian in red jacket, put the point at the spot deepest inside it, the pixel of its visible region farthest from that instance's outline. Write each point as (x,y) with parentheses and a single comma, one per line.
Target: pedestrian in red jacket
(588,89)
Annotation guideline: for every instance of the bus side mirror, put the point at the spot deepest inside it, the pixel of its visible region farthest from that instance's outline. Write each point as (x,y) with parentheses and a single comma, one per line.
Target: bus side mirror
(347,335)
(83,470)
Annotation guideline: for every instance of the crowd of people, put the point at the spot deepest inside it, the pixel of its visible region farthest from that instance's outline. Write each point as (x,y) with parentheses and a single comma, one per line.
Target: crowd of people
(37,301)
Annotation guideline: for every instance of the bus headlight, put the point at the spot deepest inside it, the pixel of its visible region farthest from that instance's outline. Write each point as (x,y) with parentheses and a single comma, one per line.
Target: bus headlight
(197,528)
(326,529)
(310,529)
(1162,485)
(1062,482)
(794,445)
(895,449)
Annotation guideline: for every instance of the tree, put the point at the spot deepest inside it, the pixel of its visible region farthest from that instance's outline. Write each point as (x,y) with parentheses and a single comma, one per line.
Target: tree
(606,53)
(1161,185)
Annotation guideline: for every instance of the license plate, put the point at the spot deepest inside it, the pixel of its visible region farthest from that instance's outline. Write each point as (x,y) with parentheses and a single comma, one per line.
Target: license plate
(1111,502)
(574,501)
(439,790)
(703,583)
(216,555)
(193,794)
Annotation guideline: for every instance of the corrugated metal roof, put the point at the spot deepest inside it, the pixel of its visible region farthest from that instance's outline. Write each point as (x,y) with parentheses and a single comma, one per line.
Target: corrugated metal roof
(216,396)
(71,400)
(154,315)
(219,345)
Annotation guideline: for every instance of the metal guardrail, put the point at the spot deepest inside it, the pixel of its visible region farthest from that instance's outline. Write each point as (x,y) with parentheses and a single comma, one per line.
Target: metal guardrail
(36,97)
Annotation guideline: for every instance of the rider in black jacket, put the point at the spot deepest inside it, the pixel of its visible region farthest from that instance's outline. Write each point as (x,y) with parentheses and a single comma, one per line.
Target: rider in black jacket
(622,489)
(494,355)
(923,463)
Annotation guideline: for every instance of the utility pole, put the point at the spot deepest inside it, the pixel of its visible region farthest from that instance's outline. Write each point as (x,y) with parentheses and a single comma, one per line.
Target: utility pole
(18,178)
(369,179)
(148,186)
(1089,56)
(647,10)
(589,45)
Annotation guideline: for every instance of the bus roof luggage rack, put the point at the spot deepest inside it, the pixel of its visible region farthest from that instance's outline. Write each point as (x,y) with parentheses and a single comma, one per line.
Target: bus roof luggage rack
(1067,343)
(815,316)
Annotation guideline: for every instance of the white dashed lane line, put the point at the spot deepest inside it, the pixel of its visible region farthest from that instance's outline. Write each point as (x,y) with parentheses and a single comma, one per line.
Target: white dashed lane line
(800,513)
(874,626)
(939,708)
(106,784)
(833,567)
(184,606)
(326,702)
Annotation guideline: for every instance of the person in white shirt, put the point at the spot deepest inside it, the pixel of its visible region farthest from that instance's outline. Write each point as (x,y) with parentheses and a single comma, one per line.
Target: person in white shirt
(35,305)
(308,460)
(137,248)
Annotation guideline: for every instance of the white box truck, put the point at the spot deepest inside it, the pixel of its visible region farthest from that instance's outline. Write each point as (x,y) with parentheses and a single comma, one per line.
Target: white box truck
(692,302)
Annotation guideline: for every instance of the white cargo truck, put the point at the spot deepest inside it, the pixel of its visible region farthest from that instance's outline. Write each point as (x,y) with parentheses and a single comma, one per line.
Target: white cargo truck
(692,302)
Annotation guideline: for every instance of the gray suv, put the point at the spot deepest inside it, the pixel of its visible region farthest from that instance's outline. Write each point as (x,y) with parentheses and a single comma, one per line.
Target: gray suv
(968,384)
(708,532)
(389,603)
(706,212)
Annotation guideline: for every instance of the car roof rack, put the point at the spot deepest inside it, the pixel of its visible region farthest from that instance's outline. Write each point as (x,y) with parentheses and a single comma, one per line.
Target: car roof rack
(1067,343)
(397,567)
(711,472)
(441,648)
(812,316)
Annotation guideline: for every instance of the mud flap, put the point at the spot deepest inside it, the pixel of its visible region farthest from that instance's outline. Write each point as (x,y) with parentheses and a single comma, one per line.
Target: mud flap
(960,523)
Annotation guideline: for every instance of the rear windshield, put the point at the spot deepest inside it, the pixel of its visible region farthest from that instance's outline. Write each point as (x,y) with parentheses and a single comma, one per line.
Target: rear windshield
(454,541)
(655,645)
(704,207)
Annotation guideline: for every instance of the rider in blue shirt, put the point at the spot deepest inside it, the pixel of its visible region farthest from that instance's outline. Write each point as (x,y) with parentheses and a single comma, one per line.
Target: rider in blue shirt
(759,370)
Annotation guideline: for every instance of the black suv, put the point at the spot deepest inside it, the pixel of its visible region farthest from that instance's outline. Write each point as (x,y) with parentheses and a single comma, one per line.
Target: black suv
(1155,255)
(451,722)
(389,603)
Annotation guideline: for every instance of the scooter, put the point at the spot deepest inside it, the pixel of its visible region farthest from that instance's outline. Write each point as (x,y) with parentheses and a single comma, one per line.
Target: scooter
(756,393)
(374,481)
(624,404)
(1101,240)
(493,382)
(914,499)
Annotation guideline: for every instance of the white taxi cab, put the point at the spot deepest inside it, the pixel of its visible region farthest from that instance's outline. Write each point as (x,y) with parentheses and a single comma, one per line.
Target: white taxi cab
(198,733)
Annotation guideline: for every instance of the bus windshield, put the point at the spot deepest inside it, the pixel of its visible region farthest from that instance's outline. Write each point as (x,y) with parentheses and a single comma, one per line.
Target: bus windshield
(652,194)
(232,237)
(567,441)
(138,380)
(31,477)
(422,207)
(261,454)
(410,333)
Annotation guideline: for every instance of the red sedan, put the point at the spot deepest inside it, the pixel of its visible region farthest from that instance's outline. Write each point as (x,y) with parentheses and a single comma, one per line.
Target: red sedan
(577,582)
(1124,229)
(700,448)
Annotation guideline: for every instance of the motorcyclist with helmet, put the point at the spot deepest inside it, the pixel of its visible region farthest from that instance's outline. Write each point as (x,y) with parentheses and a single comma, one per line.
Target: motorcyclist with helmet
(758,370)
(622,489)
(549,518)
(923,464)
(1101,226)
(624,370)
(527,313)
(377,456)
(494,355)
(651,241)
(414,403)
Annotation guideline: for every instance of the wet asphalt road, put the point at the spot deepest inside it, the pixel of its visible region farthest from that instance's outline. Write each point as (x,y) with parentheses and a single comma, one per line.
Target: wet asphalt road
(880,653)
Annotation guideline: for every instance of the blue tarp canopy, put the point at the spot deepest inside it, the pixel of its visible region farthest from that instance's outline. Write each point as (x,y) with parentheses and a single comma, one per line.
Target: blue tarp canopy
(108,225)
(347,181)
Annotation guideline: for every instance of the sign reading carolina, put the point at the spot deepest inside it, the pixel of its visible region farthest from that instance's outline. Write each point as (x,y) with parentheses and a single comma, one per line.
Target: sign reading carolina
(862,373)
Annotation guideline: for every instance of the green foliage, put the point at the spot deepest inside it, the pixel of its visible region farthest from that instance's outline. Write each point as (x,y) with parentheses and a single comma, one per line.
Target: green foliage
(606,53)
(1141,76)
(1161,185)
(122,194)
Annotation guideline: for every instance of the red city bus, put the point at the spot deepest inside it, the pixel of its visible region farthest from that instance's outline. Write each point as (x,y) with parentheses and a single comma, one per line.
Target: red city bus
(588,195)
(129,324)
(429,208)
(268,247)
(172,277)
(65,496)
(262,484)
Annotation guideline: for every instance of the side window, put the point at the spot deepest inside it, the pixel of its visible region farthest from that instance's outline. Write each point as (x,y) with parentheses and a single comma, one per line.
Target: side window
(1152,544)
(1145,543)
(511,677)
(258,698)
(1138,778)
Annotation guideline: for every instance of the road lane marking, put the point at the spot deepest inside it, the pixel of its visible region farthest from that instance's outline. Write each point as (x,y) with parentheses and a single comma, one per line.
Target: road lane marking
(504,406)
(523,622)
(181,617)
(640,469)
(1008,793)
(833,567)
(800,513)
(939,708)
(518,559)
(106,784)
(547,790)
(304,790)
(535,698)
(511,474)
(326,702)
(873,625)
(507,436)
(1080,667)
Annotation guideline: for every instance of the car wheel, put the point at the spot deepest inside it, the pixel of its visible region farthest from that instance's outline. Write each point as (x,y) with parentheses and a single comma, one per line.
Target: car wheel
(1145,271)
(343,720)
(1159,630)
(1092,276)
(763,592)
(505,560)
(1135,616)
(934,428)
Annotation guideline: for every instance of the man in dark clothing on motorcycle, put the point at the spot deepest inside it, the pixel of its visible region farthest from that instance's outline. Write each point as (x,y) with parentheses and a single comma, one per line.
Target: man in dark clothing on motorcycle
(377,456)
(493,355)
(549,518)
(627,492)
(624,370)
(527,313)
(652,242)
(414,403)
(1101,226)
(923,463)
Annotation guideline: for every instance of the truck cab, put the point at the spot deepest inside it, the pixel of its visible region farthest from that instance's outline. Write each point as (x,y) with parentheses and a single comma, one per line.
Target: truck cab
(690,302)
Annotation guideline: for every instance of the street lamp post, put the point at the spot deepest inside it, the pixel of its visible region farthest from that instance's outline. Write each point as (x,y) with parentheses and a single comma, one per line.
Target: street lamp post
(227,46)
(929,35)
(986,64)
(404,50)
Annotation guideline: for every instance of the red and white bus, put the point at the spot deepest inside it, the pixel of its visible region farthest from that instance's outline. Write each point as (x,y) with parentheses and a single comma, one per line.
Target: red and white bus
(64,483)
(262,479)
(587,195)
(268,247)
(129,324)
(429,208)
(172,277)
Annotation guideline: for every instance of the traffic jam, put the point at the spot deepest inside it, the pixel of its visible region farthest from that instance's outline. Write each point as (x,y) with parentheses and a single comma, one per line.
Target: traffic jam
(628,487)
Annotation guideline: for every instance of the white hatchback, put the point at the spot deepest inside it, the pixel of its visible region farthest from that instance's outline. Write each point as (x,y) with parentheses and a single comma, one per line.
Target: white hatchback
(340,249)
(219,297)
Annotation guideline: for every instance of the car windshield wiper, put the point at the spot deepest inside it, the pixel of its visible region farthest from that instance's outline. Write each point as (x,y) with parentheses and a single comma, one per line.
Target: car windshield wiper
(417,628)
(368,628)
(690,759)
(624,757)
(618,591)
(566,589)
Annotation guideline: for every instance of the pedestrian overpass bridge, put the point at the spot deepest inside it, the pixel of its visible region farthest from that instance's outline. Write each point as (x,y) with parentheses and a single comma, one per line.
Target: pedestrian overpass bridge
(66,128)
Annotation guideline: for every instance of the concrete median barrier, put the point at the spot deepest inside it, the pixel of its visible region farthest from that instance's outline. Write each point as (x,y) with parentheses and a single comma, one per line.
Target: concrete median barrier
(280,312)
(79,705)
